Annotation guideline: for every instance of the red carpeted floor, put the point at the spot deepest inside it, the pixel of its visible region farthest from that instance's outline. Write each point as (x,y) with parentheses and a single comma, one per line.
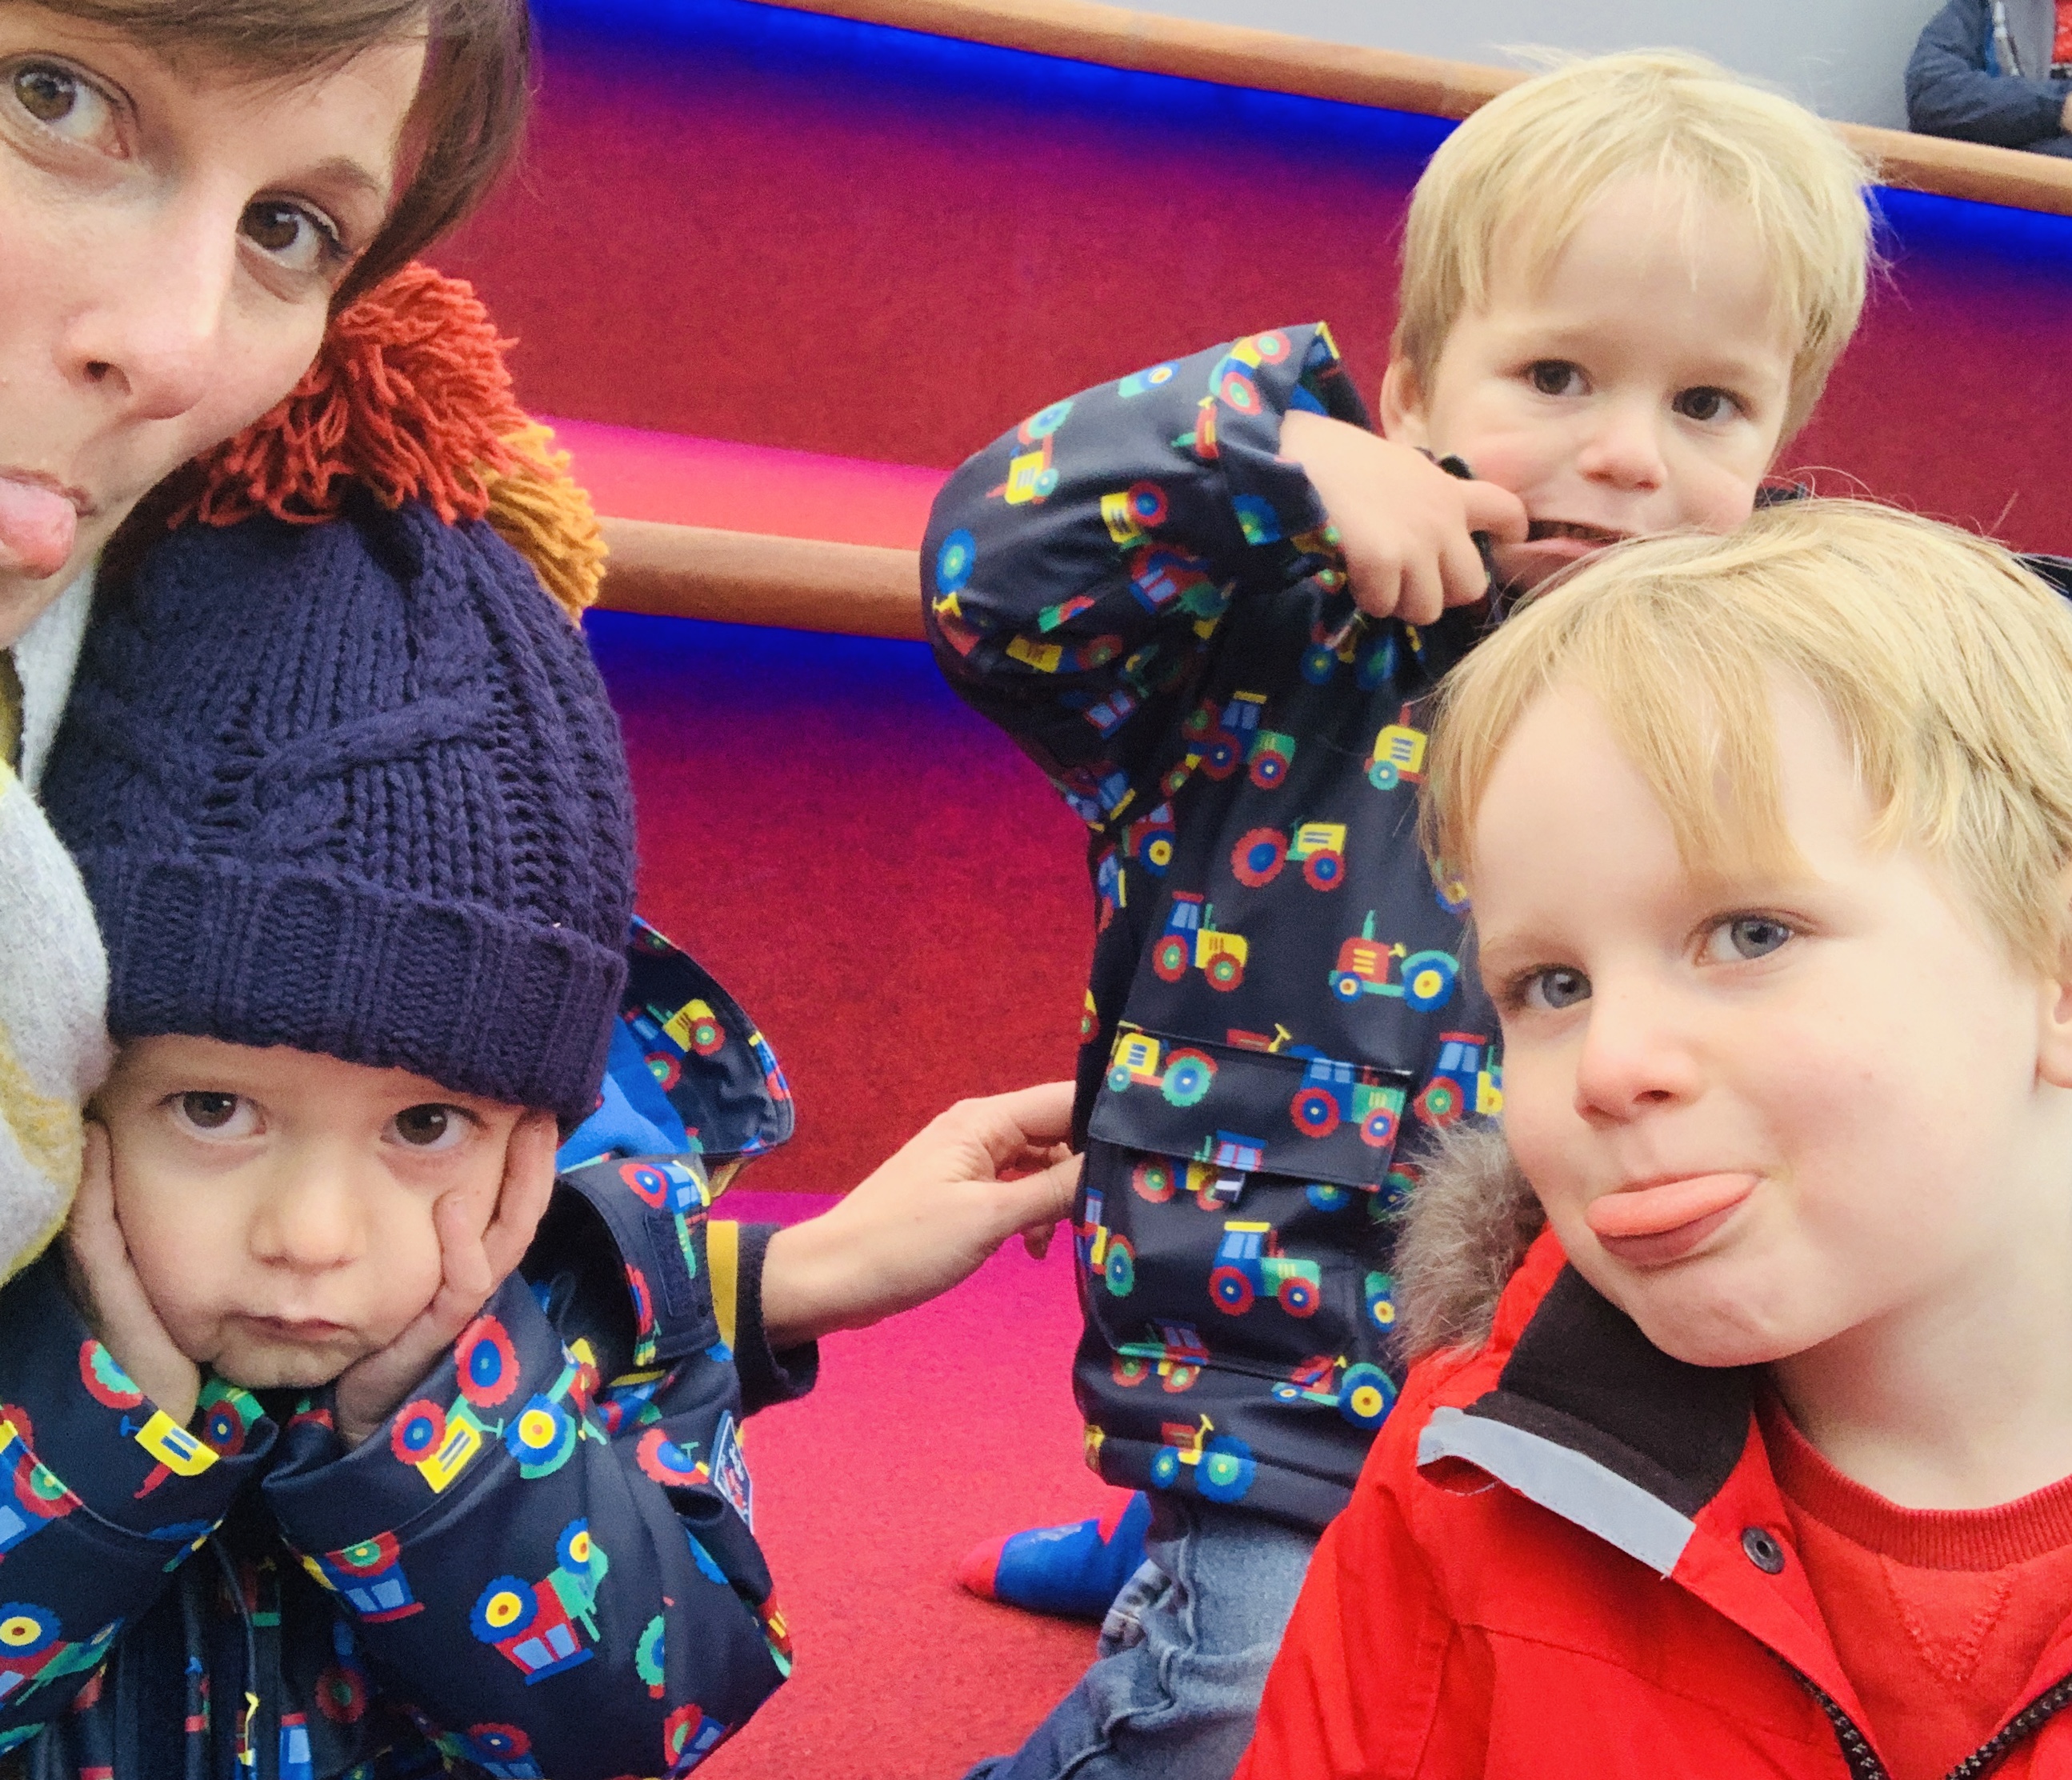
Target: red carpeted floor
(928,1434)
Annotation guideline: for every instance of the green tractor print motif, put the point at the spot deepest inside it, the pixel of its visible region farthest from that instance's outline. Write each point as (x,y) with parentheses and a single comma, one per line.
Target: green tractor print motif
(1175,1350)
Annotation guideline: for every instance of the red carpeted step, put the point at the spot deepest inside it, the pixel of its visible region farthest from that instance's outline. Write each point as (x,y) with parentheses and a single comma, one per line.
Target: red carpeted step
(633,473)
(926,1433)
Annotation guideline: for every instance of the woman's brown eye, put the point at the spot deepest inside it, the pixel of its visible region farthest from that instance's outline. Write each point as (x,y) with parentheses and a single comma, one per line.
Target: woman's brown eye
(47,94)
(208,1112)
(276,228)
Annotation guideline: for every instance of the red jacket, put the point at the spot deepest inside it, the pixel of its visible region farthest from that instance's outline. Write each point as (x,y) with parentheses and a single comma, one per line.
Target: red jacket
(1567,1556)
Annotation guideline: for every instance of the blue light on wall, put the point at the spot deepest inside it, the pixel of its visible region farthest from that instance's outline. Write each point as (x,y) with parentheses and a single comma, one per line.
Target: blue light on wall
(912,65)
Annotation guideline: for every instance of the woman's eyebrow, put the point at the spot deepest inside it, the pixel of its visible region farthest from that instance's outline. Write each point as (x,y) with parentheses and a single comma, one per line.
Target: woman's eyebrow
(341,174)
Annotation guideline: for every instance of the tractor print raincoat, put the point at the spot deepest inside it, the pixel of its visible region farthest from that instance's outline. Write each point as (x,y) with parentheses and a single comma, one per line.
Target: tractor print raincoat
(1137,588)
(544,1565)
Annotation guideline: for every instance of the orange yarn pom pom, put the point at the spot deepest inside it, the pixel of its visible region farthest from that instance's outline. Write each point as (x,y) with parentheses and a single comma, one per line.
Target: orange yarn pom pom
(544,514)
(409,397)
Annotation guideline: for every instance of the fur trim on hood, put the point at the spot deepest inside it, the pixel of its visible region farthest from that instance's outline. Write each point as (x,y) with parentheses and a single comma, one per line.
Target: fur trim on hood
(1471,1218)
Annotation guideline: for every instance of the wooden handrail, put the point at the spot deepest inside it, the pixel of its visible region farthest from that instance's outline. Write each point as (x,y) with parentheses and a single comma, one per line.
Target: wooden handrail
(746,577)
(1082,31)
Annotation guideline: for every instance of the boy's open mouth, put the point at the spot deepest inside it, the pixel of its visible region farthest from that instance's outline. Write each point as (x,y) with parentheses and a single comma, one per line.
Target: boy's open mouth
(1541,530)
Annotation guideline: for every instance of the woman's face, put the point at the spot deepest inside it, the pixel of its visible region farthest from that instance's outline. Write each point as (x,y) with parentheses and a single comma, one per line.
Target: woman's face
(170,236)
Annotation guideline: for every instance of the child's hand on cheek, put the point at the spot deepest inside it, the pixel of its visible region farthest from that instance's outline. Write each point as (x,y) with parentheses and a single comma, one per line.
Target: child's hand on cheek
(111,1298)
(1405,525)
(478,1248)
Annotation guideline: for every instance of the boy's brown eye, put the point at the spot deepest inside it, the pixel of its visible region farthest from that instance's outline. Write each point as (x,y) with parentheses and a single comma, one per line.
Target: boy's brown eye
(425,1126)
(48,94)
(208,1112)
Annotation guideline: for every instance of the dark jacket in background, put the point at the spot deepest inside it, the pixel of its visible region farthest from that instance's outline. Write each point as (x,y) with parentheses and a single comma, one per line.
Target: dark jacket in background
(1981,73)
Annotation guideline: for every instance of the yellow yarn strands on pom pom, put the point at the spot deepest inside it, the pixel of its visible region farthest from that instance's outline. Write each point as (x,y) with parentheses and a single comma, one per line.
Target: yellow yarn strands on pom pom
(545,514)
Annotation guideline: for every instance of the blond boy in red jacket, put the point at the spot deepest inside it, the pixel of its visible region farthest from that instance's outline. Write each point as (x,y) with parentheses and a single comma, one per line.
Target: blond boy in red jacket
(1761,1462)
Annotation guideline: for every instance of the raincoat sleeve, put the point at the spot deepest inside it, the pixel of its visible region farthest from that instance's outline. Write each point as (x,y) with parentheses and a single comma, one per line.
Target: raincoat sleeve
(1955,88)
(1077,571)
(106,1496)
(550,1545)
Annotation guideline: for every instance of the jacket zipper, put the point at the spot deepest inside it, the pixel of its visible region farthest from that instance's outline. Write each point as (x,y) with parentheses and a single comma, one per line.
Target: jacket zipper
(1988,1756)
(1863,1764)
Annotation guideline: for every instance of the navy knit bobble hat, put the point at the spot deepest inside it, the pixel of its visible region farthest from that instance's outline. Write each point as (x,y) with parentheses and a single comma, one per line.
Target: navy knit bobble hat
(354,787)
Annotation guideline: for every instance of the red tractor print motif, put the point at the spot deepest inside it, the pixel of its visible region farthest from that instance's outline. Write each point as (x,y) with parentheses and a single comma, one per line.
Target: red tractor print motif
(1363,1394)
(1250,1266)
(1367,966)
(544,1627)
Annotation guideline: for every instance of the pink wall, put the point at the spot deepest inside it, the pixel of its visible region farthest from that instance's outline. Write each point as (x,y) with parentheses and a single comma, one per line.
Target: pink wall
(797,232)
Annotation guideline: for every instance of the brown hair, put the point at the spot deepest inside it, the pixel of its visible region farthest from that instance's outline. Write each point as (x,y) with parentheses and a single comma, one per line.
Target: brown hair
(464,126)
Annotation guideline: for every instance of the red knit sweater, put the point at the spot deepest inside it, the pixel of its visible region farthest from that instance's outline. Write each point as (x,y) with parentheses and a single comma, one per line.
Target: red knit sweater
(1939,1616)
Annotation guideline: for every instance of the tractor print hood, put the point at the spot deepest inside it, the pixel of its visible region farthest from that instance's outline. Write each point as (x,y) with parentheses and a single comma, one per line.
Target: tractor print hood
(1281,1013)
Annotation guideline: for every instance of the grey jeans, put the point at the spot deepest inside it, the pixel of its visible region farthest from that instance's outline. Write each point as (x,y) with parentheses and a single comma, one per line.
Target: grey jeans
(1183,1655)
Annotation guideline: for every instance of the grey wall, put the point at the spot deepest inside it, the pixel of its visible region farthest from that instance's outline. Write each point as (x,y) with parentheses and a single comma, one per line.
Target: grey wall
(1845,57)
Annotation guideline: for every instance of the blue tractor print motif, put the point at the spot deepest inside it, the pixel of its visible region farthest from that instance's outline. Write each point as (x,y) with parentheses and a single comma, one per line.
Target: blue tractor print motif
(1367,966)
(1221,1466)
(1335,1093)
(1463,1081)
(544,1628)
(36,1497)
(1361,1392)
(1250,1266)
(295,1762)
